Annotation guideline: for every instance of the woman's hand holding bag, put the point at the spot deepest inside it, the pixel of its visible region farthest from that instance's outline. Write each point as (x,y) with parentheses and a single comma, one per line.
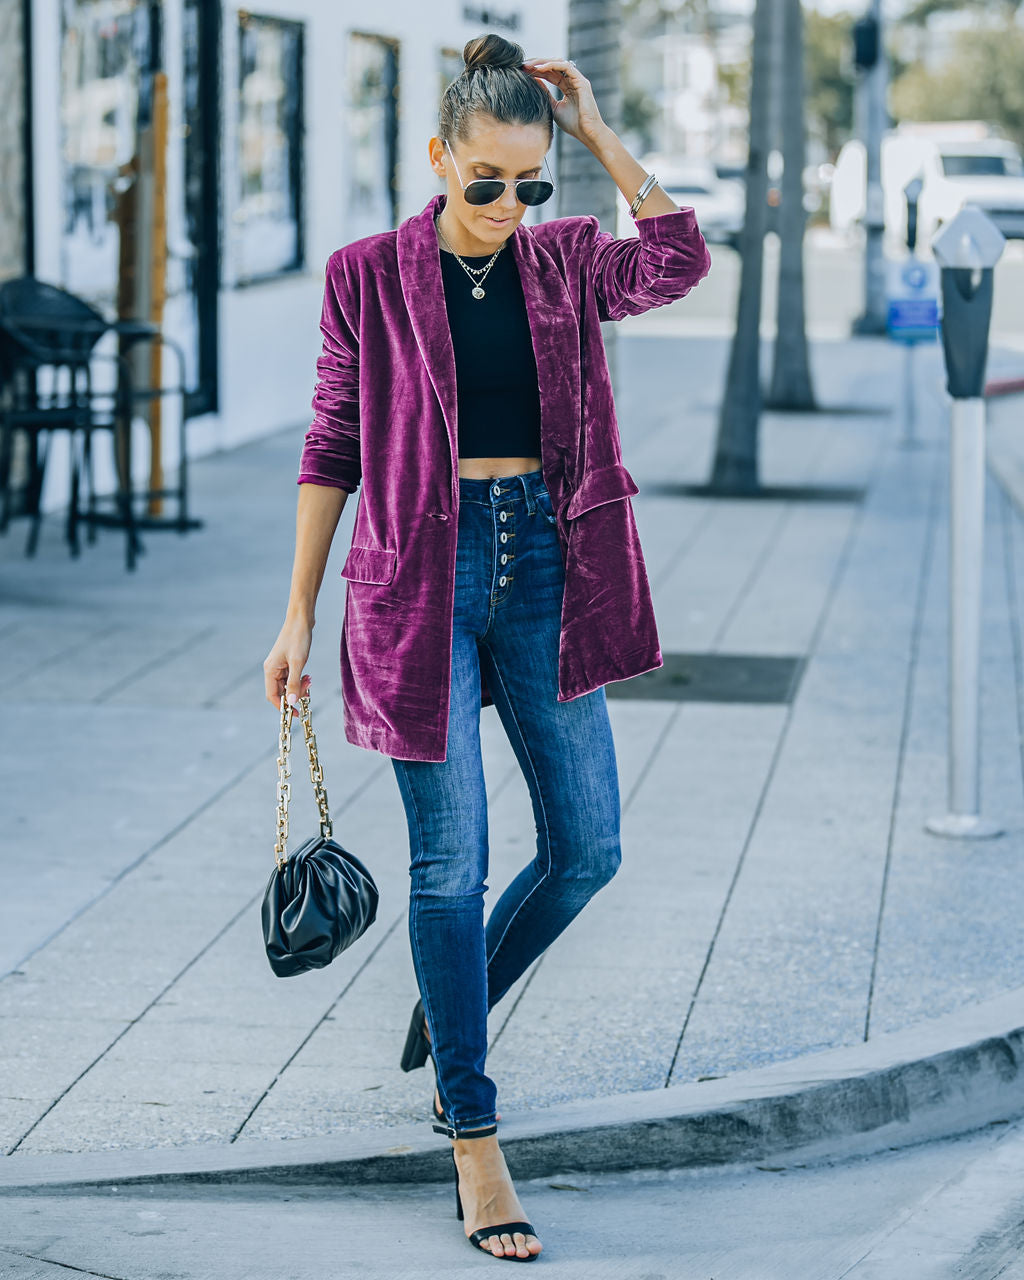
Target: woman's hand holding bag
(321,899)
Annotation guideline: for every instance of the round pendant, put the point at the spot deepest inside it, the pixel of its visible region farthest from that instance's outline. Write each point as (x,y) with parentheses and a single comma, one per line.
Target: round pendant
(478,292)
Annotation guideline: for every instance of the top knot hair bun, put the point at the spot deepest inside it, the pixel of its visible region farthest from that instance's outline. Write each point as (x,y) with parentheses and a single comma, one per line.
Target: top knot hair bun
(493,87)
(492,51)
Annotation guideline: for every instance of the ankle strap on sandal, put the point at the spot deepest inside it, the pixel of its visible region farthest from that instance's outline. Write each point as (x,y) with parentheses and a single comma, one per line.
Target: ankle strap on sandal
(450,1131)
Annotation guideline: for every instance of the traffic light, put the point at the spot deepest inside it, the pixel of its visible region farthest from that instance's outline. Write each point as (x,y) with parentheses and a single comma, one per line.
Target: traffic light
(865,42)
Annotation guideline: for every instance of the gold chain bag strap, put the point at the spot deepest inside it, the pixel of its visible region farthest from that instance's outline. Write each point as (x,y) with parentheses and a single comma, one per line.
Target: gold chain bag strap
(322,898)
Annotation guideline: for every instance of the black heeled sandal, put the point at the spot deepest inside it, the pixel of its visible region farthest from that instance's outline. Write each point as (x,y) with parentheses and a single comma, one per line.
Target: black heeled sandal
(417,1045)
(417,1051)
(478,1239)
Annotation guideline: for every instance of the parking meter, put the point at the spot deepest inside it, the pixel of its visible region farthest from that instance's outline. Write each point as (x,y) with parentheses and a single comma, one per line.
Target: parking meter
(967,249)
(912,312)
(966,312)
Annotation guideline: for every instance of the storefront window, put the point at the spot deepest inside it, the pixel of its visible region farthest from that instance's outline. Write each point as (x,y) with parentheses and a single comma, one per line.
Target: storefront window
(372,119)
(15,246)
(112,54)
(267,221)
(449,66)
(109,49)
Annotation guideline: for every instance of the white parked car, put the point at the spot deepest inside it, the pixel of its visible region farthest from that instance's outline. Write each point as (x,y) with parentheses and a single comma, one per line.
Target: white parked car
(958,163)
(717,202)
(990,177)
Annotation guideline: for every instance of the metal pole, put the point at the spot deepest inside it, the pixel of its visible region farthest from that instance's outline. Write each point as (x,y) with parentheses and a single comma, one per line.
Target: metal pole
(878,80)
(873,87)
(967,248)
(967,530)
(966,552)
(909,440)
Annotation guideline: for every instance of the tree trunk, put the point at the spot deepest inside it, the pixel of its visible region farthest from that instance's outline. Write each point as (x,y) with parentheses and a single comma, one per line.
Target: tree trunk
(735,464)
(584,185)
(791,376)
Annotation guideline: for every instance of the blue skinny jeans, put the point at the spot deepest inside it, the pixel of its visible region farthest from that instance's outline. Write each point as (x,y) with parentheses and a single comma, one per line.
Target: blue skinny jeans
(508,599)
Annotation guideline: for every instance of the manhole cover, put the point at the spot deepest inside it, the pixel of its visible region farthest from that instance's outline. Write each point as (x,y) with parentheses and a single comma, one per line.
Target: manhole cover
(766,492)
(715,677)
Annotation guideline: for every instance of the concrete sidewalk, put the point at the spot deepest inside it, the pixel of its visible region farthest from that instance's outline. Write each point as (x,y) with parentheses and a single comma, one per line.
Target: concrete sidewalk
(778,895)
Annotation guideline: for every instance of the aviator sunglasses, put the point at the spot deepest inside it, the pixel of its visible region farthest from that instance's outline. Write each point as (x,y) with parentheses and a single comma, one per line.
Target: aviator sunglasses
(487,190)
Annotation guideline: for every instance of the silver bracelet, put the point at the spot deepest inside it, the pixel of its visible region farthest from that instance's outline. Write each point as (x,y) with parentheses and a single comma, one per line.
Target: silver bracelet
(642,194)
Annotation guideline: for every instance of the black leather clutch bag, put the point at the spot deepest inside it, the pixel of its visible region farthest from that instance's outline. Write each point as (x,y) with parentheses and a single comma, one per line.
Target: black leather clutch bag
(322,898)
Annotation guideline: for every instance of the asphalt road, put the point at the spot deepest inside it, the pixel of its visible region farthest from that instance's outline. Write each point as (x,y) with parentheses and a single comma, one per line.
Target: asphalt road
(834,293)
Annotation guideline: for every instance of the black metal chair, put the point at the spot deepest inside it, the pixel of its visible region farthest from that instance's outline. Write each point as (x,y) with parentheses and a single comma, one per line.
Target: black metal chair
(48,340)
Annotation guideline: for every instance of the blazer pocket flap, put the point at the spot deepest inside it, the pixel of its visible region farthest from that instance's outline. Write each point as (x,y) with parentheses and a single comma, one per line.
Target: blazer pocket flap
(369,564)
(602,484)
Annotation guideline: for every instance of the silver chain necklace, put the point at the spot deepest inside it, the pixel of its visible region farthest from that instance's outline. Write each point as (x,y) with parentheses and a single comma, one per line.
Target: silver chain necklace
(478,292)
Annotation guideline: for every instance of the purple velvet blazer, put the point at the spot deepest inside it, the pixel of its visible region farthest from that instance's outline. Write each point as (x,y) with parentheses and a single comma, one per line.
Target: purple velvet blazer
(385,415)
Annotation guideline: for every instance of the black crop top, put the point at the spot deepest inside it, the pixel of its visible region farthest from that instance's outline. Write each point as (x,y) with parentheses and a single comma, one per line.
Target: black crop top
(495,367)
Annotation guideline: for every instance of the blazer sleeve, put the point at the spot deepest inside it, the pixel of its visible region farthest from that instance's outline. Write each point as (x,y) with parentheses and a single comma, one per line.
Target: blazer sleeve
(663,262)
(330,453)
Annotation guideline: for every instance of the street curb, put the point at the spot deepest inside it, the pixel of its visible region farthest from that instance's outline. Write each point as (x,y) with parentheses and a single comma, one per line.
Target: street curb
(938,1078)
(1004,387)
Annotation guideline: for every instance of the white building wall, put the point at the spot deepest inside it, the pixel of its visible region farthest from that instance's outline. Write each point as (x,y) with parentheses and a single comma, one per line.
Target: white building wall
(269,332)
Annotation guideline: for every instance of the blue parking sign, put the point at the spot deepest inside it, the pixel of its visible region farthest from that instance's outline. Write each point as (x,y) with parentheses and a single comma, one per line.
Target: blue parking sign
(913,292)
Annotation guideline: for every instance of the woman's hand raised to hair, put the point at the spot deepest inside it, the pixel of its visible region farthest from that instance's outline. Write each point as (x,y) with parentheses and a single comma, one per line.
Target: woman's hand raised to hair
(577,113)
(282,669)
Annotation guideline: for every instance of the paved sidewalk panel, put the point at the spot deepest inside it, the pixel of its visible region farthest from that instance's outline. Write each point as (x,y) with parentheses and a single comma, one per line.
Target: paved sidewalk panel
(777,894)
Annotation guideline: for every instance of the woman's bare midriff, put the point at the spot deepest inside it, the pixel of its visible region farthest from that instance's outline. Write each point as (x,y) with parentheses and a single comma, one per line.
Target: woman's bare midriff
(492,468)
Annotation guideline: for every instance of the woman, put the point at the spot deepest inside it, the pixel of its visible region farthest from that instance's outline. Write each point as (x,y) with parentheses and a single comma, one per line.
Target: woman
(494,560)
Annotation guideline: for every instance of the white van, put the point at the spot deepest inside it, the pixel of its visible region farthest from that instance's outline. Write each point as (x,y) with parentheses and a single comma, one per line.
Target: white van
(959,162)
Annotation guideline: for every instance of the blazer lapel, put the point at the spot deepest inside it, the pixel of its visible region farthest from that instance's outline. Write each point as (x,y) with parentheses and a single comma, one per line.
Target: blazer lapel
(419,271)
(554,331)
